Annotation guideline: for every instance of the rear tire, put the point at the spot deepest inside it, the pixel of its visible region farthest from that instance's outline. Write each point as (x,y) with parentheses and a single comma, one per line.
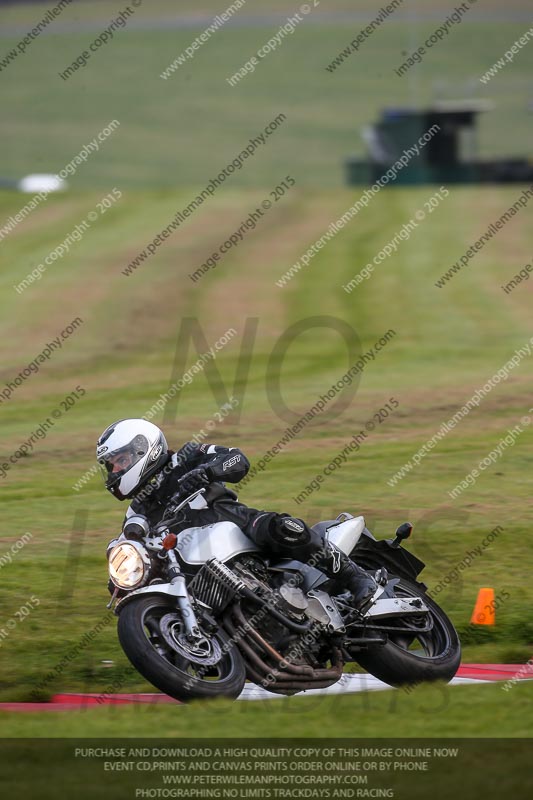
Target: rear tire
(438,659)
(148,649)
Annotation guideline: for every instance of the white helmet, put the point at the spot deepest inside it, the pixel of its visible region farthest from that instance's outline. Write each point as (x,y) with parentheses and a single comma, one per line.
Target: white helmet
(129,453)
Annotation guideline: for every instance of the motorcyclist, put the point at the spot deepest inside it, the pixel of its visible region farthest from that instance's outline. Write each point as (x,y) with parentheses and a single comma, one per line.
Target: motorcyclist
(137,465)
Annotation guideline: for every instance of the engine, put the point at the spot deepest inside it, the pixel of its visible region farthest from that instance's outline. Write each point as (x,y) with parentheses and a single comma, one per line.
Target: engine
(282,643)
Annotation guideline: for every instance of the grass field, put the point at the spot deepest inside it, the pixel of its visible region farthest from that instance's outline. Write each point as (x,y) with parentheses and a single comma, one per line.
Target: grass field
(429,711)
(168,126)
(448,342)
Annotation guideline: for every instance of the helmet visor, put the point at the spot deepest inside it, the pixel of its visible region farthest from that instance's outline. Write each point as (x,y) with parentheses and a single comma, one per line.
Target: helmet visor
(116,463)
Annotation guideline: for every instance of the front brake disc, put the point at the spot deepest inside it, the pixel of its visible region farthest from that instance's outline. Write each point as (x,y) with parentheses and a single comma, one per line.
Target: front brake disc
(200,651)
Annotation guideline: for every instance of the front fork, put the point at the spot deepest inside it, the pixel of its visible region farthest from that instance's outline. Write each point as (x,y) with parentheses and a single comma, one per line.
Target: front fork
(192,629)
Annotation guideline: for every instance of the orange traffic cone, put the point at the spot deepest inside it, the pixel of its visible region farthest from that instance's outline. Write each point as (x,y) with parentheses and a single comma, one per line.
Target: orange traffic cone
(484,609)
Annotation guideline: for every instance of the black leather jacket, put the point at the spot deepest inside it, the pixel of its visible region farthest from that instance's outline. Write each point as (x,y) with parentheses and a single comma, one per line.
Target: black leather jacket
(221,463)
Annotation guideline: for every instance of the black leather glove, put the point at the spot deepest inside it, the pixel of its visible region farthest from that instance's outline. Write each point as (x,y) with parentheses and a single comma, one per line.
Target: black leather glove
(196,479)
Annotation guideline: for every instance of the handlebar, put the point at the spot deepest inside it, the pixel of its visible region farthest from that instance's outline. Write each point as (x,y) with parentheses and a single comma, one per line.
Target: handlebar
(189,498)
(176,504)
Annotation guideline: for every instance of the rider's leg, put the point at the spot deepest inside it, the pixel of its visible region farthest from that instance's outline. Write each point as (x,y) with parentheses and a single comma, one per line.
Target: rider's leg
(291,537)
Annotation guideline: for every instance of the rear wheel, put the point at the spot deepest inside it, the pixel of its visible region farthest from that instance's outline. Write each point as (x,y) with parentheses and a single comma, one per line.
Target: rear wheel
(152,635)
(418,654)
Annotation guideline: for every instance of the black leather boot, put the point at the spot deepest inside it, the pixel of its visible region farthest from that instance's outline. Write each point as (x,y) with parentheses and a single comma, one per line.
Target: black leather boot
(336,565)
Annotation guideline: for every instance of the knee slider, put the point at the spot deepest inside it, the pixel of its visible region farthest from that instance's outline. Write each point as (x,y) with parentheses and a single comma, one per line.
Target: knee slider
(290,531)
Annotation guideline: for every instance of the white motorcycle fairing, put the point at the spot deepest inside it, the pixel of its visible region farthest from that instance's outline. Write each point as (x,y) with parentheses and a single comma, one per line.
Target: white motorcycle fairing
(346,534)
(220,540)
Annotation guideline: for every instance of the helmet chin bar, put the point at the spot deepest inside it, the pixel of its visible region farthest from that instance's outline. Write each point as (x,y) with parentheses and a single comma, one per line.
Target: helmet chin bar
(114,478)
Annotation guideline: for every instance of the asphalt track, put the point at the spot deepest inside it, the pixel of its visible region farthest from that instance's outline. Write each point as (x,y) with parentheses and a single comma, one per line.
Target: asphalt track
(348,684)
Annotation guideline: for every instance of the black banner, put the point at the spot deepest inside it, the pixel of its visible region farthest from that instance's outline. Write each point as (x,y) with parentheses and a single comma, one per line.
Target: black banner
(267,768)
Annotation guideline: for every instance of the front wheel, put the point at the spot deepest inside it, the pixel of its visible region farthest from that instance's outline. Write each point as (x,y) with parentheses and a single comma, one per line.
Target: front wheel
(416,655)
(152,635)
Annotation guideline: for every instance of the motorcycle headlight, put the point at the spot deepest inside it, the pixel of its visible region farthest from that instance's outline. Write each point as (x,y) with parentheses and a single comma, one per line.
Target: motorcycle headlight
(129,565)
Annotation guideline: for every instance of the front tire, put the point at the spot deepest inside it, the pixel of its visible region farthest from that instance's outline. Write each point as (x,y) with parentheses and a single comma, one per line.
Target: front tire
(438,655)
(151,634)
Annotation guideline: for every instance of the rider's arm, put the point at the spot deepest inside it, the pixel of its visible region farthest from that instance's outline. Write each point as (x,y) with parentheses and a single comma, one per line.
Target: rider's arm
(220,463)
(136,524)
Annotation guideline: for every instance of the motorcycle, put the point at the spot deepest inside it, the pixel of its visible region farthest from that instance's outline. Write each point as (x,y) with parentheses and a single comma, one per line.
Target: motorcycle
(201,612)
